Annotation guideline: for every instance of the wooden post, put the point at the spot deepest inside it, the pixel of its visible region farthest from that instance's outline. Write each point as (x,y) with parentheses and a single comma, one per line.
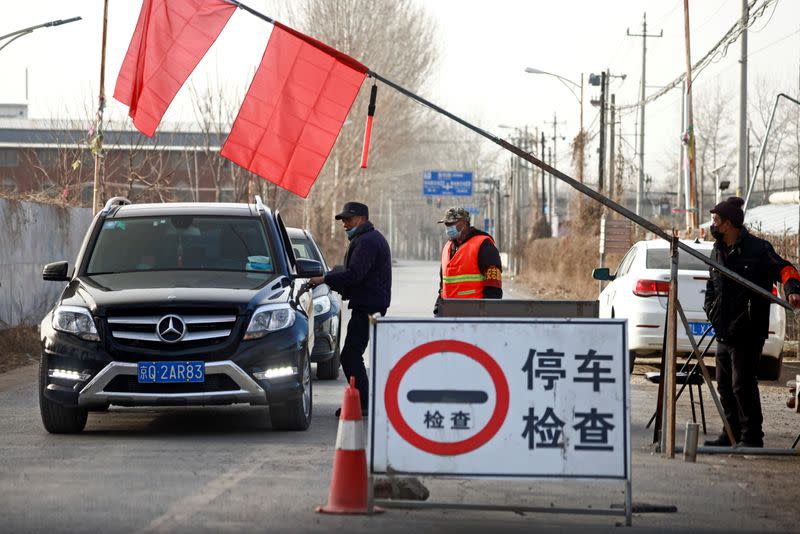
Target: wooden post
(669,365)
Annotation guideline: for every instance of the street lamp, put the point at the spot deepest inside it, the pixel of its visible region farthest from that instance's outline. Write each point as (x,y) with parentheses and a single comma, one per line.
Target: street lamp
(569,84)
(25,31)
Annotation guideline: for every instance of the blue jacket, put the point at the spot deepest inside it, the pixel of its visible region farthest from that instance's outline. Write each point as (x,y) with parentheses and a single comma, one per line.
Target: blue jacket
(366,280)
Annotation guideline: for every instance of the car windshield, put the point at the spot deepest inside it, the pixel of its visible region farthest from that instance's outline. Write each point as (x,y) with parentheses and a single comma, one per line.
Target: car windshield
(658,258)
(181,242)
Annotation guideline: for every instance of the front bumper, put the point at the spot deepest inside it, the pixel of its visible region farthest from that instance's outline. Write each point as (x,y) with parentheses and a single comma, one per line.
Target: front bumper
(106,387)
(326,337)
(112,375)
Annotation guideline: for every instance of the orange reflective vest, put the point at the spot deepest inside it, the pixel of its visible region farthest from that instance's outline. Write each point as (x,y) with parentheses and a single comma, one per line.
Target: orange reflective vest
(461,277)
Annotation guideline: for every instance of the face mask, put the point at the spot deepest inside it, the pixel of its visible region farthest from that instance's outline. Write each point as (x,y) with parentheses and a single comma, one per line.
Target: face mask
(452,231)
(352,231)
(715,233)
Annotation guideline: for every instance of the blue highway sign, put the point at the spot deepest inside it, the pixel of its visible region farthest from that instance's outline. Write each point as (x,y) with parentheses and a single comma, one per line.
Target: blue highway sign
(447,183)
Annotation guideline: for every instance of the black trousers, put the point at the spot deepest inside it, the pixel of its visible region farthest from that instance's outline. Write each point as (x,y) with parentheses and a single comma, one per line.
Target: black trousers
(737,383)
(352,356)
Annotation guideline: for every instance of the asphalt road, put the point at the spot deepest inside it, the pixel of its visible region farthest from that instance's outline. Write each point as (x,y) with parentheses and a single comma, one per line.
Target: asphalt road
(224,470)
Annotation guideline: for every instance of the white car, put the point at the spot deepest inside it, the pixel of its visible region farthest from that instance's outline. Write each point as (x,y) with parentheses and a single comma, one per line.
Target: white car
(639,289)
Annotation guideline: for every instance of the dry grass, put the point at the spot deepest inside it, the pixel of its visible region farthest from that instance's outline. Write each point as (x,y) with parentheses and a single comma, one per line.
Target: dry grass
(18,346)
(560,268)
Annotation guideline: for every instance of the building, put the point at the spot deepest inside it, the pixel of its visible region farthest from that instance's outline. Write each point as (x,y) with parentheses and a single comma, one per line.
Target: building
(53,157)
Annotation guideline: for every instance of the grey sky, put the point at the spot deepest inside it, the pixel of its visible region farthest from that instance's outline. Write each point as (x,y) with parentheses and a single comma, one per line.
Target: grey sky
(485,47)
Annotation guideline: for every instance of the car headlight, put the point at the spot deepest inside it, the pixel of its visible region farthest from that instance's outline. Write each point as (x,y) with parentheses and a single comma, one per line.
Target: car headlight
(268,319)
(75,320)
(322,305)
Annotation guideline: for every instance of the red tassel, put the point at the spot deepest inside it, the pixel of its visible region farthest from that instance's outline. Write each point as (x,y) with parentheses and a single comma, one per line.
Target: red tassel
(368,129)
(367,135)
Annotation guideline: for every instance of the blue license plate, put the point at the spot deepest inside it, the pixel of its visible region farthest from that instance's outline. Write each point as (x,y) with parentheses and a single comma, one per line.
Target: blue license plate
(699,328)
(171,372)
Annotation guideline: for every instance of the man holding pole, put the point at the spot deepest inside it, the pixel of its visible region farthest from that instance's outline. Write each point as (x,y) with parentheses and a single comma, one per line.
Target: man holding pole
(741,318)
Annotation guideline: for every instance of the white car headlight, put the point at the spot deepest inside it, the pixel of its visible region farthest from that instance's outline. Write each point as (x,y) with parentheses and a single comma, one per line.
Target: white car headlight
(269,318)
(75,320)
(322,305)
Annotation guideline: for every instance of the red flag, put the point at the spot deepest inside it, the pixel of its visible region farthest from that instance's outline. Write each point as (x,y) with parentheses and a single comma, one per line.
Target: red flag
(294,110)
(170,39)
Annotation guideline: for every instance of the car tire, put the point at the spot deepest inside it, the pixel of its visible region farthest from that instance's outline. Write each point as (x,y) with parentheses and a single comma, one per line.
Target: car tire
(58,419)
(631,360)
(769,367)
(295,414)
(329,369)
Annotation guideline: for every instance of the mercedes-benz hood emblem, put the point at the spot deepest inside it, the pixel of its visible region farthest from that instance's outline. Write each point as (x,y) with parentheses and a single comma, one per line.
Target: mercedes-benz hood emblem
(171,329)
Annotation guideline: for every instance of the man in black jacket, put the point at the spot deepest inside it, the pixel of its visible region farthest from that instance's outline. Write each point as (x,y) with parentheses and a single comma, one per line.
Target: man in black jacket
(366,281)
(741,318)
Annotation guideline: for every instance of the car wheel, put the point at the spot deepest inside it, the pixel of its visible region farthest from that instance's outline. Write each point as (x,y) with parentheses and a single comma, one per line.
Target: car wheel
(295,414)
(58,419)
(329,369)
(769,368)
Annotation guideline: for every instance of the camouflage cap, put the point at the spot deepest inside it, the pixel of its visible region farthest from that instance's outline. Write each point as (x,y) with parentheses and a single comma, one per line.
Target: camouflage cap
(454,215)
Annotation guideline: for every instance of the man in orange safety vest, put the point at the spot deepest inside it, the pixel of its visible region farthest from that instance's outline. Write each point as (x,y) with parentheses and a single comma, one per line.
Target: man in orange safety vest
(471,266)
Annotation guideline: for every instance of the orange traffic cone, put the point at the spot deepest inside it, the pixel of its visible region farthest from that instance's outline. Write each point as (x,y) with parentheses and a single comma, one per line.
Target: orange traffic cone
(348,492)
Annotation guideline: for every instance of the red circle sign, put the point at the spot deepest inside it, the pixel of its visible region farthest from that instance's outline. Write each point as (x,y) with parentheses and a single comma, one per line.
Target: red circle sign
(445,448)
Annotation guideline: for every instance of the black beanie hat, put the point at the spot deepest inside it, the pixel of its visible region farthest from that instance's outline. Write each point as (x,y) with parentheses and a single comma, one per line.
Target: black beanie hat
(731,209)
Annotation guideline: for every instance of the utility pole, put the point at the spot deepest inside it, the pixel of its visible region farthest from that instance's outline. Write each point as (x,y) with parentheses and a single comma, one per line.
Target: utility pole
(545,208)
(582,139)
(602,156)
(691,198)
(742,187)
(682,157)
(553,182)
(96,142)
(644,35)
(611,154)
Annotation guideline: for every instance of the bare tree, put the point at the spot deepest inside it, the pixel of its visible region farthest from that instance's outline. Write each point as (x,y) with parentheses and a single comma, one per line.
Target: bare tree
(714,129)
(772,162)
(402,48)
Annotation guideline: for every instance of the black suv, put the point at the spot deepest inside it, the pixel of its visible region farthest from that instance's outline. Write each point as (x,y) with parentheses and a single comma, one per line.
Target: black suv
(179,304)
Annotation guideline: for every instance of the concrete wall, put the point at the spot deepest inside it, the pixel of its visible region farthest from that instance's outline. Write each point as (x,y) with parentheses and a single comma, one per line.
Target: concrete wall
(32,235)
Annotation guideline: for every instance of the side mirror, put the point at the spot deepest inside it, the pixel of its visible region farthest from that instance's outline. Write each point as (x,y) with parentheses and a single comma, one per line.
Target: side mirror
(306,268)
(56,272)
(602,274)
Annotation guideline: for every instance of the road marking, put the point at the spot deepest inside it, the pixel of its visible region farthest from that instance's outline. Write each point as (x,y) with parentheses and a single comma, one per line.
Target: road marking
(185,510)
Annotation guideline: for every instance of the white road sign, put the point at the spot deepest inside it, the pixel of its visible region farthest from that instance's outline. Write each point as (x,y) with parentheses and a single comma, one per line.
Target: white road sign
(500,398)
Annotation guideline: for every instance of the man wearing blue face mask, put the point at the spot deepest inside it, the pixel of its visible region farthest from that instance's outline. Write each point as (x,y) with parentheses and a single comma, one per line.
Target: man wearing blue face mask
(471,266)
(366,281)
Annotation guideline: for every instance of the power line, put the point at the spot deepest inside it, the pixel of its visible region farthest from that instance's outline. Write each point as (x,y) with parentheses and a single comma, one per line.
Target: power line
(721,48)
(774,43)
